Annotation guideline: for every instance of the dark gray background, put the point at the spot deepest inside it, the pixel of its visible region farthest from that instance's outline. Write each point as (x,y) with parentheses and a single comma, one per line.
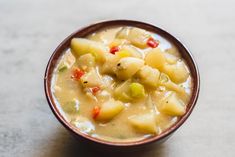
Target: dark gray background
(30,31)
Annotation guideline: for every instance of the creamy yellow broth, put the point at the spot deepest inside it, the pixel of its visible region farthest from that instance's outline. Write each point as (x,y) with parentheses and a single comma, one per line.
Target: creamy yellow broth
(125,120)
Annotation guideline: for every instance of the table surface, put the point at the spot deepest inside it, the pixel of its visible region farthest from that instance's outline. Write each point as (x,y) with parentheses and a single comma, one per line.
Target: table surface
(30,31)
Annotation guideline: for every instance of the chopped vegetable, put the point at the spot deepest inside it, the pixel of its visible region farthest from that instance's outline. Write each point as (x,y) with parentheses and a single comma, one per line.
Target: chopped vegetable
(91,79)
(109,110)
(132,51)
(144,123)
(77,73)
(114,49)
(137,90)
(171,59)
(177,72)
(165,81)
(127,67)
(117,42)
(95,90)
(152,42)
(86,60)
(148,76)
(122,91)
(136,36)
(81,46)
(123,54)
(95,112)
(108,66)
(155,58)
(172,105)
(62,67)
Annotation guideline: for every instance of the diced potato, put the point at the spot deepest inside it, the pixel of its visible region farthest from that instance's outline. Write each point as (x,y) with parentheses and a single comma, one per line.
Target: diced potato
(149,76)
(127,67)
(155,58)
(132,50)
(170,59)
(137,90)
(111,60)
(122,91)
(81,46)
(172,105)
(144,123)
(110,109)
(118,42)
(173,51)
(62,67)
(86,60)
(110,64)
(165,81)
(177,72)
(122,54)
(164,121)
(138,37)
(91,79)
(135,35)
(123,33)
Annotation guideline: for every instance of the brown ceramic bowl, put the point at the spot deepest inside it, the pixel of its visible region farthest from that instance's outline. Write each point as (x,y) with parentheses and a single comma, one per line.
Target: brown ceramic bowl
(121,145)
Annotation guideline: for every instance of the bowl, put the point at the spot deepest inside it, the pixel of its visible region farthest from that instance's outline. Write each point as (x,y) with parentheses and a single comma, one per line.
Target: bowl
(134,145)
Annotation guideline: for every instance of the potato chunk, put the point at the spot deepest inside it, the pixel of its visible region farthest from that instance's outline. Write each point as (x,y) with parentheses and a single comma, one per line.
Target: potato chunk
(110,64)
(136,36)
(171,59)
(165,81)
(172,105)
(137,90)
(149,76)
(118,42)
(177,72)
(123,33)
(155,58)
(91,79)
(132,50)
(122,91)
(81,46)
(127,67)
(110,109)
(86,60)
(144,123)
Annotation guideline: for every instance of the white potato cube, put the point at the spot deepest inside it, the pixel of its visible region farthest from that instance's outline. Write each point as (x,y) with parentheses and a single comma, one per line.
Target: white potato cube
(149,76)
(155,58)
(80,46)
(136,36)
(86,60)
(177,72)
(91,79)
(110,109)
(127,67)
(172,105)
(144,123)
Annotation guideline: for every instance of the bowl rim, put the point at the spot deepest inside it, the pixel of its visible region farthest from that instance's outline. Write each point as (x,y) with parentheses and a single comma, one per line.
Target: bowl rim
(120,22)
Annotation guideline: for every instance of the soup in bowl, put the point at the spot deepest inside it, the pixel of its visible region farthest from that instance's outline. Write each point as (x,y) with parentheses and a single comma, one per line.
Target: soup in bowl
(122,83)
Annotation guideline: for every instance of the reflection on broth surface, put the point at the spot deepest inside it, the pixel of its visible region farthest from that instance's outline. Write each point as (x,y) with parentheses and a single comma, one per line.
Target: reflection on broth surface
(122,84)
